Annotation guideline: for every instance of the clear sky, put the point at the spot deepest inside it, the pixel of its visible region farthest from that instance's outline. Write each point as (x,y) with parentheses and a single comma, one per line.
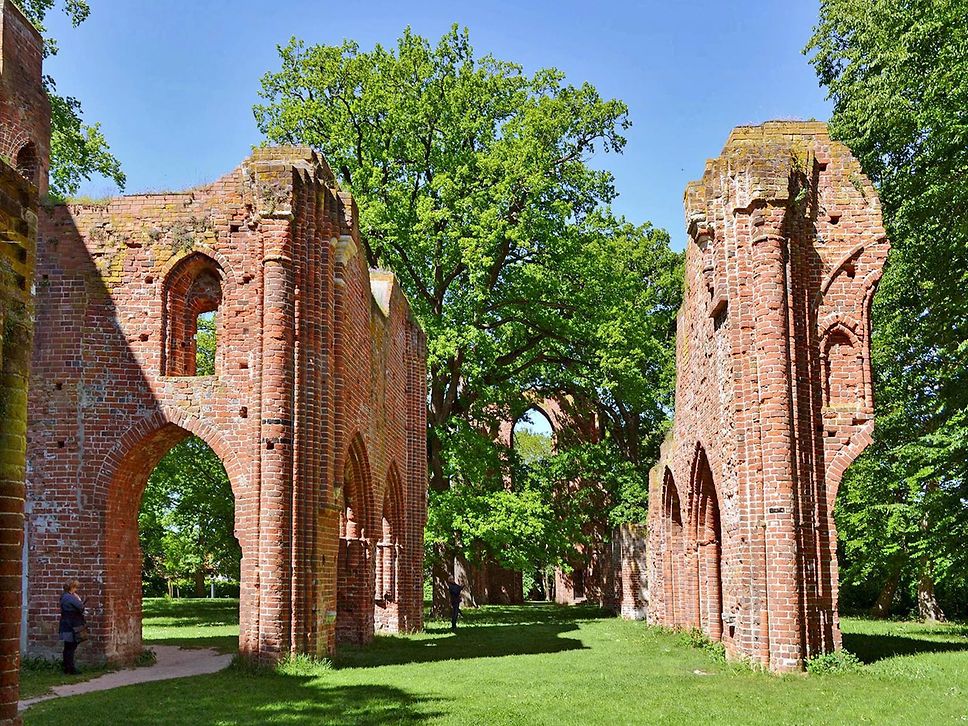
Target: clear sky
(173,82)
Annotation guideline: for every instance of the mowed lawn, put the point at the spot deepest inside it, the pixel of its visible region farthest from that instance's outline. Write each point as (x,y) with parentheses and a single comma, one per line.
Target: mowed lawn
(537,664)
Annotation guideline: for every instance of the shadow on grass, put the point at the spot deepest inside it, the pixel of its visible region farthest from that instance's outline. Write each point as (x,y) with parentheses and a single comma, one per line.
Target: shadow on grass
(872,647)
(475,642)
(233,698)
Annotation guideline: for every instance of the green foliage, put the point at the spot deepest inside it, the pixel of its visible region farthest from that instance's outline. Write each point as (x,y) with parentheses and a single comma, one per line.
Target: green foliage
(695,638)
(77,150)
(839,661)
(187,517)
(205,344)
(476,185)
(898,76)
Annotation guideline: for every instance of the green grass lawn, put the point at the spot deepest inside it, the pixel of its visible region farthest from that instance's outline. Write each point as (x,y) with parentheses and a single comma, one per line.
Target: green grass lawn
(540,665)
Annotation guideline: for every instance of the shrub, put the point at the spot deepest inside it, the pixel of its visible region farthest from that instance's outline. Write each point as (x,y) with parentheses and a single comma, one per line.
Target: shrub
(839,661)
(695,638)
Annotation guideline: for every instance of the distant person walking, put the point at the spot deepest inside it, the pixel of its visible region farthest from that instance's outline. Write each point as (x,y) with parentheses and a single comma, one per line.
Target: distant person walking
(454,589)
(73,627)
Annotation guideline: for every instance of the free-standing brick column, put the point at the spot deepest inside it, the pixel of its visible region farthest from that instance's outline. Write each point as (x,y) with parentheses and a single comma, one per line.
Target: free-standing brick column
(24,158)
(18,210)
(773,394)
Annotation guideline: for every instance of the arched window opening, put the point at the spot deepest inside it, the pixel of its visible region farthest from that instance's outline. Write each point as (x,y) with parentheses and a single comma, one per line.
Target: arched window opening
(193,294)
(28,163)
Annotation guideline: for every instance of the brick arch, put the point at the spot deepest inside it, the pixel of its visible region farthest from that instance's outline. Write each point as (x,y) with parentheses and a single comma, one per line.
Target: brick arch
(229,272)
(122,480)
(705,536)
(355,572)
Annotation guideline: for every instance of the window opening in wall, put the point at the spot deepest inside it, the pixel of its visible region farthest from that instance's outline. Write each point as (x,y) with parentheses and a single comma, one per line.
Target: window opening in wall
(205,344)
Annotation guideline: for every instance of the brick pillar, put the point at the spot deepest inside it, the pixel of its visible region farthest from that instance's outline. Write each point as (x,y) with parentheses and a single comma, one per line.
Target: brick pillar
(16,333)
(275,499)
(773,366)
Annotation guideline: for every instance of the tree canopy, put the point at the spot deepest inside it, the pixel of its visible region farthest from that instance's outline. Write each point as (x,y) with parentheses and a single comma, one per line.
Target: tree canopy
(476,185)
(898,77)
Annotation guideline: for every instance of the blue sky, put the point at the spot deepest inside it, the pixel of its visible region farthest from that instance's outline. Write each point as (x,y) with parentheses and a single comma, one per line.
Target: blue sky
(173,82)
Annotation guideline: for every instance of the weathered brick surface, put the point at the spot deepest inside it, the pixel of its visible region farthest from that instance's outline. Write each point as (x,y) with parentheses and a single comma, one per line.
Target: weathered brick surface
(773,394)
(318,390)
(24,134)
(24,108)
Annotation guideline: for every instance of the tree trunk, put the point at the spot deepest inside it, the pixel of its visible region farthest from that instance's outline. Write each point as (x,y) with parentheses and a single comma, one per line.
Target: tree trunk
(928,607)
(199,583)
(439,572)
(882,608)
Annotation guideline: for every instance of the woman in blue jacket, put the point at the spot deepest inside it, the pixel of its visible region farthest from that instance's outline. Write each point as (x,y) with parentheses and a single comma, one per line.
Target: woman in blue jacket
(72,624)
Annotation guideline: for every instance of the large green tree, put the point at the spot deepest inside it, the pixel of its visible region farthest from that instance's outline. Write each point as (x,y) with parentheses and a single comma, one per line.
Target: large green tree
(78,150)
(898,76)
(475,186)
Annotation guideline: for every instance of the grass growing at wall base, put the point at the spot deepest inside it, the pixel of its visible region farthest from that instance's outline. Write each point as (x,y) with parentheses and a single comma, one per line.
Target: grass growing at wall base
(549,665)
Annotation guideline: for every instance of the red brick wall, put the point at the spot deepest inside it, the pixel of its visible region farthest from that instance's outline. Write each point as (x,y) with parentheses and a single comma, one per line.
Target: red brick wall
(18,227)
(773,394)
(307,361)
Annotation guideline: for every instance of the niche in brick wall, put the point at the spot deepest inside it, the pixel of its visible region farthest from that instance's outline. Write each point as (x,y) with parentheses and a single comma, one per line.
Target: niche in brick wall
(28,163)
(192,296)
(843,386)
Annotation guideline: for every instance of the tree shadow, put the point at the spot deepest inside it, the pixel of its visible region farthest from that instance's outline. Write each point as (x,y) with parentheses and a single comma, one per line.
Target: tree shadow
(481,641)
(872,647)
(235,698)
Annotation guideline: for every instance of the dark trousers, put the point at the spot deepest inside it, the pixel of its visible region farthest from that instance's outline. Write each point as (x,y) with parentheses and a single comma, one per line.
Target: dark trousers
(454,612)
(69,649)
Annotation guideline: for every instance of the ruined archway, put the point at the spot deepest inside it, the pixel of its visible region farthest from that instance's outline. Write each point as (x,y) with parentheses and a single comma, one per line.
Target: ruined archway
(354,564)
(135,457)
(706,537)
(672,541)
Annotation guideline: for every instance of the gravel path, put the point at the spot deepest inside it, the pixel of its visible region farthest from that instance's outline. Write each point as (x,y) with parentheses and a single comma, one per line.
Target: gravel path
(172,662)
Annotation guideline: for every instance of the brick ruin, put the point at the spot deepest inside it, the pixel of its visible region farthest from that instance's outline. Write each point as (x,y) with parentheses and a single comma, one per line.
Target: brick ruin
(774,395)
(24,140)
(317,406)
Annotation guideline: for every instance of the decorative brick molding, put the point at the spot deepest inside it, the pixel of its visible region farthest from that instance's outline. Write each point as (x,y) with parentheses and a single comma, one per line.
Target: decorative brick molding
(773,394)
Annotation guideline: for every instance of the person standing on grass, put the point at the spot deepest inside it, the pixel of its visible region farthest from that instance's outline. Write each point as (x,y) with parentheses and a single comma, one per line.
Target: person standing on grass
(454,589)
(73,628)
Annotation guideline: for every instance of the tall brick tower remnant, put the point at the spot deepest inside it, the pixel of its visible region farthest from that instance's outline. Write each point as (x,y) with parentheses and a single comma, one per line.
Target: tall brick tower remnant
(773,394)
(24,152)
